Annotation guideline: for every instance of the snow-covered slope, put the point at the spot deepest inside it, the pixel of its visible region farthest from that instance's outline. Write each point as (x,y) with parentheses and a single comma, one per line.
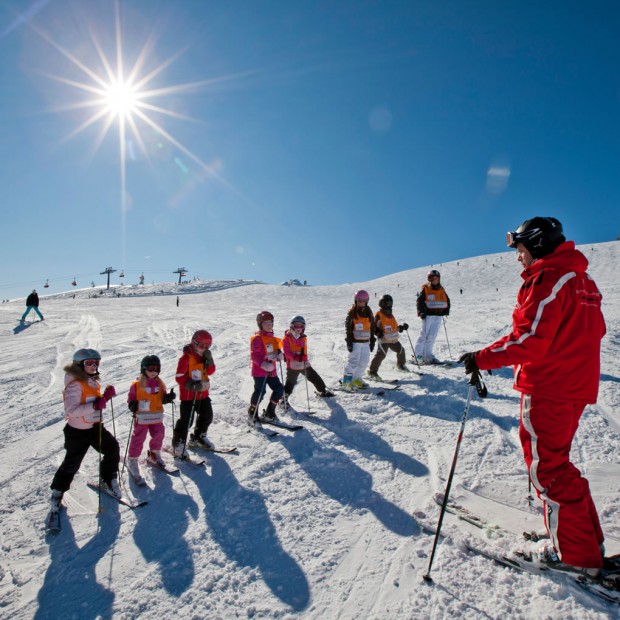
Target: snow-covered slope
(318,524)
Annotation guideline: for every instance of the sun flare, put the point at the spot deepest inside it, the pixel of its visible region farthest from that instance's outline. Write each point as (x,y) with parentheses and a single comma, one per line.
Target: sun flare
(121,99)
(123,96)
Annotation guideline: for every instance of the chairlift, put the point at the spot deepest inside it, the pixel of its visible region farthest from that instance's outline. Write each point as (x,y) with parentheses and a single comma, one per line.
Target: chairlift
(74,283)
(121,274)
(183,274)
(47,284)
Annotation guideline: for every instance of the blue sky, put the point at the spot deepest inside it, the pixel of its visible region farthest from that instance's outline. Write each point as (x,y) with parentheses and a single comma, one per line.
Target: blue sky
(327,141)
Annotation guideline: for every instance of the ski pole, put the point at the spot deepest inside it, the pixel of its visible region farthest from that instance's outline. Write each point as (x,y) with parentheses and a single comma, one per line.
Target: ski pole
(477,383)
(307,393)
(262,392)
(99,509)
(282,379)
(191,420)
(427,577)
(447,340)
(415,357)
(530,497)
(113,422)
(127,446)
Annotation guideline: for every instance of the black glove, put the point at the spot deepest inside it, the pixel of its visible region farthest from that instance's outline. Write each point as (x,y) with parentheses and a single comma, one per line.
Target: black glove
(193,386)
(208,357)
(169,397)
(133,406)
(379,333)
(349,345)
(422,315)
(372,344)
(403,328)
(471,368)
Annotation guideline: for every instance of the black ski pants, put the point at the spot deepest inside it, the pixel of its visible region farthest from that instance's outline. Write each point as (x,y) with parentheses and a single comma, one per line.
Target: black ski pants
(311,374)
(382,350)
(77,442)
(204,416)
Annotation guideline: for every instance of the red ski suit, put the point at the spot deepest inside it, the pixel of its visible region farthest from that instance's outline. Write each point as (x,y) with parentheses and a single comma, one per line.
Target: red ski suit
(555,350)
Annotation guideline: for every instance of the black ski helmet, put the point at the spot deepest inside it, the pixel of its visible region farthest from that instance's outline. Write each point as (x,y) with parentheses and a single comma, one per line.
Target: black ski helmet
(540,236)
(433,273)
(386,301)
(150,360)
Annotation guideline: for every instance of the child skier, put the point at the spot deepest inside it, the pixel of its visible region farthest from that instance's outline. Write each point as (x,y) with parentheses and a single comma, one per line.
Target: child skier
(193,371)
(432,304)
(360,337)
(295,347)
(84,429)
(265,351)
(146,399)
(387,330)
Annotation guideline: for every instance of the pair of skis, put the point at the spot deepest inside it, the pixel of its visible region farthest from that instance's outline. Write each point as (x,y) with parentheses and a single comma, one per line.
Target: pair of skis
(380,391)
(606,587)
(259,427)
(53,521)
(444,363)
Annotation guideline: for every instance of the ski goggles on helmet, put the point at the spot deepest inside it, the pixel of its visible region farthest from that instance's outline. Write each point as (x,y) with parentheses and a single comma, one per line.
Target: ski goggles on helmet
(514,238)
(152,368)
(91,363)
(298,326)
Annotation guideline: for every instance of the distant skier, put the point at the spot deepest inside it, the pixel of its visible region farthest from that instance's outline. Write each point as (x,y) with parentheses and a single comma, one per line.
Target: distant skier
(360,337)
(177,301)
(265,351)
(432,304)
(146,399)
(193,371)
(84,429)
(295,346)
(387,330)
(32,303)
(554,347)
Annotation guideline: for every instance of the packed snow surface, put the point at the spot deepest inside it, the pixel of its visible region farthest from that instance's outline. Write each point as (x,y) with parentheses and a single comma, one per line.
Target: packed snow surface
(327,522)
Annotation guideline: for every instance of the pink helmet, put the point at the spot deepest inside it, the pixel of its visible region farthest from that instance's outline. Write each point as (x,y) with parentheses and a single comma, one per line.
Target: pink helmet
(362,295)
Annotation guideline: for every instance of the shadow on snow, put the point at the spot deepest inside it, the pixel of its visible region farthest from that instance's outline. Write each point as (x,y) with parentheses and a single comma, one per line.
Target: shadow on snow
(239,522)
(161,539)
(338,477)
(70,588)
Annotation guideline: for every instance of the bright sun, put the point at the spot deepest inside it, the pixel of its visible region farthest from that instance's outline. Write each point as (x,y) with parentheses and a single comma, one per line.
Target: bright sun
(121,99)
(124,95)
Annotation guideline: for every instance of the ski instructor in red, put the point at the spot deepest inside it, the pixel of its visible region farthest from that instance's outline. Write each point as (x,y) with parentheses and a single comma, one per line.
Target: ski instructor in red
(554,347)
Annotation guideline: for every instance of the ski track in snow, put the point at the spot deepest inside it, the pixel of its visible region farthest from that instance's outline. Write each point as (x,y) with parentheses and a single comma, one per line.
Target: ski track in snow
(312,524)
